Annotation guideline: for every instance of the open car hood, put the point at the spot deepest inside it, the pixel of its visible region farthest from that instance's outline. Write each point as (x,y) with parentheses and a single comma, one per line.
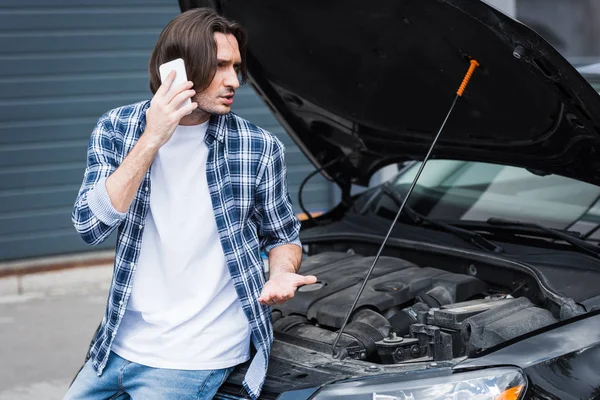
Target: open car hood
(368,83)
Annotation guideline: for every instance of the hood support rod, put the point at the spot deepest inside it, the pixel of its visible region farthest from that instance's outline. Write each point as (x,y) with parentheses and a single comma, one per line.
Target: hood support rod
(473,65)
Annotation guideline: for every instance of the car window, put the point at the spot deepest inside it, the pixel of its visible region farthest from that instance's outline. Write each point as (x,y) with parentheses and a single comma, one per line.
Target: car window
(462,190)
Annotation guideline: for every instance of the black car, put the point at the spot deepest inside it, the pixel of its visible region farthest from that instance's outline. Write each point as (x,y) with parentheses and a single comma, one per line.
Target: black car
(489,284)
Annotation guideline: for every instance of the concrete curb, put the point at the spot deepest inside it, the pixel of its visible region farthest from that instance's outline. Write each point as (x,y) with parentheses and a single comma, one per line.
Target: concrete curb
(55,263)
(58,273)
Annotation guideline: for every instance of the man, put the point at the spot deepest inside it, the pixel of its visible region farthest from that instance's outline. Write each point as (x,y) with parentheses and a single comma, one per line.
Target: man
(195,192)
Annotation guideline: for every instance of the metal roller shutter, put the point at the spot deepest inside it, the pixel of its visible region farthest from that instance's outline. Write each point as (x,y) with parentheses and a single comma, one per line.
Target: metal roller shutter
(62,64)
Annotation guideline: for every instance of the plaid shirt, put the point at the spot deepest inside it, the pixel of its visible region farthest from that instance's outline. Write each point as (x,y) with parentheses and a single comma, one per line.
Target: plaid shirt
(246,175)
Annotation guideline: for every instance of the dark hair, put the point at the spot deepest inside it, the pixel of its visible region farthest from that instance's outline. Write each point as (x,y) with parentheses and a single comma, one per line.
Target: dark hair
(190,36)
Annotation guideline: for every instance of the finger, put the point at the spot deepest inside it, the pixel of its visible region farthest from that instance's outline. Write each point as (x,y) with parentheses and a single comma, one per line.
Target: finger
(263,301)
(187,109)
(305,280)
(272,298)
(163,89)
(279,299)
(287,295)
(265,298)
(179,93)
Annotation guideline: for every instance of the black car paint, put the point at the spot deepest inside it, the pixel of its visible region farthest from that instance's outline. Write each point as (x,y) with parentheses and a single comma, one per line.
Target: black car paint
(562,363)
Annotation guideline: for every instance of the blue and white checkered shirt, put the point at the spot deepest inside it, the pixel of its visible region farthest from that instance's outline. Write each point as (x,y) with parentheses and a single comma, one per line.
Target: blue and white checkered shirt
(246,175)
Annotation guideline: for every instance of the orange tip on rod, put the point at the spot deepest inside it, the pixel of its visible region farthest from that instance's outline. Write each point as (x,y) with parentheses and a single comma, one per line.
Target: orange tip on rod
(340,353)
(465,82)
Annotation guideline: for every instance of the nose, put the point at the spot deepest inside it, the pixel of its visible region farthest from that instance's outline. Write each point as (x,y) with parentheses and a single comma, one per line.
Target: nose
(231,79)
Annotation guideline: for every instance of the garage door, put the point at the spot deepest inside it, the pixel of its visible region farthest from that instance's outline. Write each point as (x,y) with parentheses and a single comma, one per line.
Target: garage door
(62,64)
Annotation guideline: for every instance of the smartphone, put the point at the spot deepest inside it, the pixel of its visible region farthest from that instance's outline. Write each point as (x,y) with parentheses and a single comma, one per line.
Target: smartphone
(178,66)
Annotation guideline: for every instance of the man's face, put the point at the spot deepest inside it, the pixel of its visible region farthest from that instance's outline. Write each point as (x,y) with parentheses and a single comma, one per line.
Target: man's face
(217,98)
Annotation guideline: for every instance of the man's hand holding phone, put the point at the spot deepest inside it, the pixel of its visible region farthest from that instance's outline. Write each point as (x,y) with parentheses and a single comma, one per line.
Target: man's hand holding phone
(167,107)
(171,102)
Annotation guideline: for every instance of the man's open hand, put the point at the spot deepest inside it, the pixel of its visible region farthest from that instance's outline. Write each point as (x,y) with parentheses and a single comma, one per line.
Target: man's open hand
(282,286)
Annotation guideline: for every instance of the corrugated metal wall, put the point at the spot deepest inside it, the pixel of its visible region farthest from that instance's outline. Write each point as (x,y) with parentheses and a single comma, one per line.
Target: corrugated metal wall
(62,64)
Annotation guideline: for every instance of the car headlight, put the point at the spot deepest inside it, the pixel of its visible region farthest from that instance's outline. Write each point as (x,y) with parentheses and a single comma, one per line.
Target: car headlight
(486,384)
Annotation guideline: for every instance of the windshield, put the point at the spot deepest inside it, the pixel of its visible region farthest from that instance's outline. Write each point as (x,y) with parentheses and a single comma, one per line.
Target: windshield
(460,190)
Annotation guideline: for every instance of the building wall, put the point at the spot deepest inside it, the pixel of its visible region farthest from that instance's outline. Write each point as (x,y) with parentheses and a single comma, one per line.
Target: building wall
(63,63)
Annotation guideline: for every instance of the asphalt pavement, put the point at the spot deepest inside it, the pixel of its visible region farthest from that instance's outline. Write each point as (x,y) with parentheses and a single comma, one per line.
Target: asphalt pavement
(44,334)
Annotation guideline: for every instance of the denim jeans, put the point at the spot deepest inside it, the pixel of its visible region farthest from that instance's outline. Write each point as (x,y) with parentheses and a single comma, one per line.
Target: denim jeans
(122,380)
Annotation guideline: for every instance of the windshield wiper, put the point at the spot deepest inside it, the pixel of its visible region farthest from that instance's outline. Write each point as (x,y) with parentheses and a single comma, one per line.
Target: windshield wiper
(418,219)
(573,241)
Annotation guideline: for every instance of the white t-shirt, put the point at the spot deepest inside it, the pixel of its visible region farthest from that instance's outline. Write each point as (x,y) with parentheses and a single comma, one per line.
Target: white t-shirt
(184,312)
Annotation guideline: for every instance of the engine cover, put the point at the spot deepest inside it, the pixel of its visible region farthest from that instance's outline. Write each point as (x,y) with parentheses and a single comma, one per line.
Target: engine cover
(394,283)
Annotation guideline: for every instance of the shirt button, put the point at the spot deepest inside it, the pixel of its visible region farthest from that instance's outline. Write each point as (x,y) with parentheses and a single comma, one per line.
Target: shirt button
(114,334)
(146,188)
(141,226)
(132,264)
(121,302)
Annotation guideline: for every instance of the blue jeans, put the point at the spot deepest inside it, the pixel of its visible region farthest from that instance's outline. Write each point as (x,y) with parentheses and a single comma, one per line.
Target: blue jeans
(122,380)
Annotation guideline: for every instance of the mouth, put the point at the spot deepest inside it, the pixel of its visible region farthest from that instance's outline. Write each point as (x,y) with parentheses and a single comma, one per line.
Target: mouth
(228,100)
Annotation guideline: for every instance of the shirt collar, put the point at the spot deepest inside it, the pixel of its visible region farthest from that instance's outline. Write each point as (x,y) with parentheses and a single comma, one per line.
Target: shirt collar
(217,126)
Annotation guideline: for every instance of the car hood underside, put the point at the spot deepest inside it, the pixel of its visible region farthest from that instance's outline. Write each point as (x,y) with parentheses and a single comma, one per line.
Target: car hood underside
(369,83)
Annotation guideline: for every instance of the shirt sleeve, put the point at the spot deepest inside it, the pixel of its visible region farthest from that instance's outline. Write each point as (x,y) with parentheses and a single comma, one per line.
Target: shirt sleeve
(94,216)
(278,225)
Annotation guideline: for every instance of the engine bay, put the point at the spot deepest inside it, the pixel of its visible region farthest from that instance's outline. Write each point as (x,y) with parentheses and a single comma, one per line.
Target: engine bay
(407,312)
